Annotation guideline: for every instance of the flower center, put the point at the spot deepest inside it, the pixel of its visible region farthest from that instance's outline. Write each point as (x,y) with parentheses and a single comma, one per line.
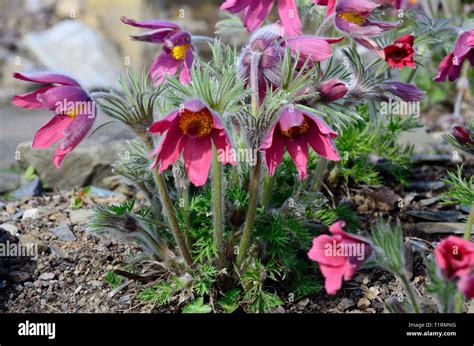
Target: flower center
(196,124)
(74,112)
(352,17)
(296,130)
(179,52)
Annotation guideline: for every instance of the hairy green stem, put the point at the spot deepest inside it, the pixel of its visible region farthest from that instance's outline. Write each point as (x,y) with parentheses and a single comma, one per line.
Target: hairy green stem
(170,214)
(410,292)
(251,211)
(459,302)
(255,177)
(218,209)
(411,75)
(168,207)
(267,190)
(470,221)
(319,175)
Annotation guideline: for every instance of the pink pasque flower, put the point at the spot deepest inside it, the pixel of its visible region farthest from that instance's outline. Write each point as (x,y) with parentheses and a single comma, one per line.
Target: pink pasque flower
(269,45)
(455,256)
(255,12)
(295,129)
(191,130)
(466,285)
(451,65)
(400,53)
(177,55)
(352,17)
(74,111)
(339,256)
(332,90)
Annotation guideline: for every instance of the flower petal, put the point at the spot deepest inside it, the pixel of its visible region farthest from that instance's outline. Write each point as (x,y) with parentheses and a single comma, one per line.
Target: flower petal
(288,13)
(322,144)
(150,24)
(51,132)
(310,47)
(163,124)
(256,13)
(164,64)
(298,149)
(274,146)
(197,159)
(171,147)
(46,78)
(30,100)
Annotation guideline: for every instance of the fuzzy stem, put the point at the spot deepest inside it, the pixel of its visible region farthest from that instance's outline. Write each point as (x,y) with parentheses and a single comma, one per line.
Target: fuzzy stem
(267,190)
(326,23)
(411,294)
(255,178)
(459,302)
(470,221)
(318,177)
(168,207)
(217,209)
(170,214)
(251,211)
(411,75)
(187,221)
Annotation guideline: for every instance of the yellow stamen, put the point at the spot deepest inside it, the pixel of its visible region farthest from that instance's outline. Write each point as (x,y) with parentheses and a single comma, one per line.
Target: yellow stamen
(352,17)
(296,130)
(179,52)
(197,124)
(72,113)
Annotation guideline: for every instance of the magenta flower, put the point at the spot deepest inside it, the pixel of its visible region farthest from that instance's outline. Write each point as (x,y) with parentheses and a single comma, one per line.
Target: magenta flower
(269,45)
(466,285)
(463,135)
(406,92)
(332,90)
(294,130)
(451,65)
(74,111)
(254,13)
(177,55)
(191,130)
(352,17)
(339,256)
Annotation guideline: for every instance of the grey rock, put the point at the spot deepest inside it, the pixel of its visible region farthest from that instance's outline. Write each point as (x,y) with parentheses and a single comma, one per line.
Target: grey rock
(63,232)
(85,54)
(85,165)
(426,185)
(31,189)
(12,229)
(438,215)
(46,276)
(81,216)
(31,214)
(9,182)
(441,227)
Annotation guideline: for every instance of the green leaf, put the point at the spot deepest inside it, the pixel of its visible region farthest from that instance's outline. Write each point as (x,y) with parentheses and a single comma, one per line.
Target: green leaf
(230,301)
(30,173)
(197,307)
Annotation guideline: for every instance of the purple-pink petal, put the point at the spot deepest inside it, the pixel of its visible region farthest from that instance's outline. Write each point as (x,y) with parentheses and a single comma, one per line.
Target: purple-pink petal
(46,78)
(290,19)
(298,149)
(197,159)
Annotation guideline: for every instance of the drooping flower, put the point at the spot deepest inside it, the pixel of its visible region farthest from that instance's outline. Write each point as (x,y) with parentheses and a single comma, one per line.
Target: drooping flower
(400,53)
(177,54)
(294,130)
(455,256)
(462,134)
(332,90)
(329,3)
(405,91)
(339,256)
(192,129)
(466,285)
(268,45)
(352,17)
(74,111)
(255,12)
(451,65)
